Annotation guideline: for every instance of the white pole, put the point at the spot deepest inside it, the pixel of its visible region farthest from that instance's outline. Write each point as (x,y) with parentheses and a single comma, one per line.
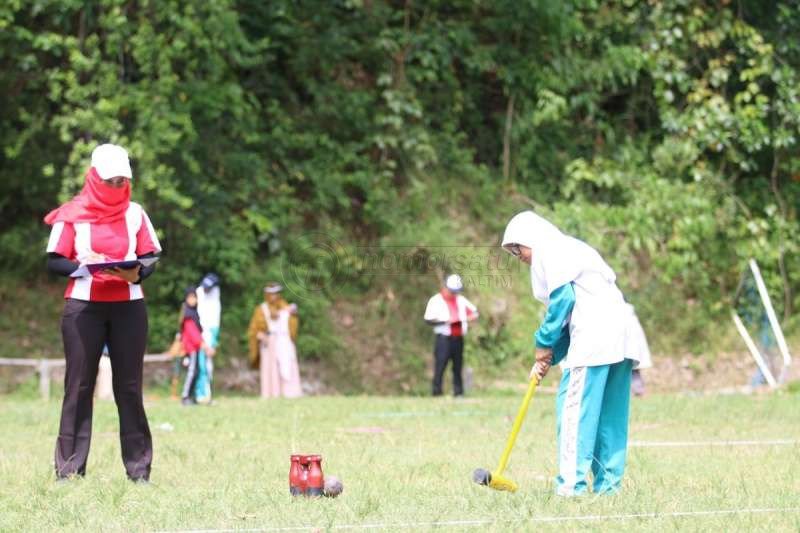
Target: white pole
(773,320)
(44,379)
(753,350)
(104,387)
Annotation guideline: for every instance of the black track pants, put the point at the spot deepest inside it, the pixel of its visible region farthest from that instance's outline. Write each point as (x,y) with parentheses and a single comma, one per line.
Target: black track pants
(86,327)
(192,373)
(446,348)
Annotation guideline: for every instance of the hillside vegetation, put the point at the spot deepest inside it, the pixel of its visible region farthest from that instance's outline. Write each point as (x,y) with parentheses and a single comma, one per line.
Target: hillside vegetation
(290,140)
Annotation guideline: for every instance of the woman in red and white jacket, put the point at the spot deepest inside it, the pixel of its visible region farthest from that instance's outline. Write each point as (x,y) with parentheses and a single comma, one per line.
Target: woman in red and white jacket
(99,225)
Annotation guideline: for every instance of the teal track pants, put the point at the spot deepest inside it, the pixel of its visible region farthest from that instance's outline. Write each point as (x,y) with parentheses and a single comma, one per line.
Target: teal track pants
(202,388)
(592,426)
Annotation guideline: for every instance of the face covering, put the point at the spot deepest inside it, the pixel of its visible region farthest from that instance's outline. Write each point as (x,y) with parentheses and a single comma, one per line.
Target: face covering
(96,203)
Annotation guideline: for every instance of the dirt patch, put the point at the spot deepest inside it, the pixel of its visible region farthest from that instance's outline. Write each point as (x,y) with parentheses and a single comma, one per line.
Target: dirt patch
(238,376)
(725,371)
(369,344)
(728,372)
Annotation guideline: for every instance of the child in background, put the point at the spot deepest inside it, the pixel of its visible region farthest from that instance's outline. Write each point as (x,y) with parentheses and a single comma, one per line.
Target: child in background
(585,330)
(191,334)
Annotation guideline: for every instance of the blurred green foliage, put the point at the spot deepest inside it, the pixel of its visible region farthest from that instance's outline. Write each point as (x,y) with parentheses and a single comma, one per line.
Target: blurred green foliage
(663,133)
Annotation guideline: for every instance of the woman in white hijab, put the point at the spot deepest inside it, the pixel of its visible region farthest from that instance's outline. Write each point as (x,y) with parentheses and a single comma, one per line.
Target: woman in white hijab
(585,329)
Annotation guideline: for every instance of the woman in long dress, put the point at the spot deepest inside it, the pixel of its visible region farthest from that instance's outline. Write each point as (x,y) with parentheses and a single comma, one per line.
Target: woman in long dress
(272,334)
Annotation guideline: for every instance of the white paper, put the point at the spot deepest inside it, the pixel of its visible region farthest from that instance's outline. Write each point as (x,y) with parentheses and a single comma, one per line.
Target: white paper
(80,272)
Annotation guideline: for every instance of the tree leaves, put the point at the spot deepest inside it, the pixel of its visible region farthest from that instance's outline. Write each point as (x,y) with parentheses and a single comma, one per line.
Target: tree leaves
(666,133)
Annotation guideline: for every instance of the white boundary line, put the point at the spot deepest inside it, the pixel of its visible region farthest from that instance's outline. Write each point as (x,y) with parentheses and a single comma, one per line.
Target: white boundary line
(420,414)
(484,522)
(700,443)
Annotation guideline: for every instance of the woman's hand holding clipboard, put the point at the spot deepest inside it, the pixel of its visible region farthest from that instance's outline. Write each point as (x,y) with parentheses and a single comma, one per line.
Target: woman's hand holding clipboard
(116,268)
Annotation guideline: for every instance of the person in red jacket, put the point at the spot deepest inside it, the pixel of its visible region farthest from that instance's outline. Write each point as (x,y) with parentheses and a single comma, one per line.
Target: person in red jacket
(191,335)
(103,307)
(450,313)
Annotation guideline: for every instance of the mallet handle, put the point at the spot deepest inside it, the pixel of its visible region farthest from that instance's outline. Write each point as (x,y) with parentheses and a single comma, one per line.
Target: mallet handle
(523,410)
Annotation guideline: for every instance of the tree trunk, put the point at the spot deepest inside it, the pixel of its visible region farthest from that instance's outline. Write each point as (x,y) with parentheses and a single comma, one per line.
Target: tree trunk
(787,289)
(507,139)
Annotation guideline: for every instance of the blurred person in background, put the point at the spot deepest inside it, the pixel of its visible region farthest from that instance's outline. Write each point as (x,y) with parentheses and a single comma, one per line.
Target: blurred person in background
(191,336)
(449,312)
(272,334)
(636,348)
(209,307)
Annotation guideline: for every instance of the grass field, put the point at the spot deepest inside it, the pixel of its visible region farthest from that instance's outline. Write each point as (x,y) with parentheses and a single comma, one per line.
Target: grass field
(406,463)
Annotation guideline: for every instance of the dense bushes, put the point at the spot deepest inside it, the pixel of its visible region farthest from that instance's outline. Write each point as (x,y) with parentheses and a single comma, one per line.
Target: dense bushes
(665,133)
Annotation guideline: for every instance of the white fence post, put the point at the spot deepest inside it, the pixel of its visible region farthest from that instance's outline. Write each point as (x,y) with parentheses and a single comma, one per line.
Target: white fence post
(104,387)
(44,379)
(44,366)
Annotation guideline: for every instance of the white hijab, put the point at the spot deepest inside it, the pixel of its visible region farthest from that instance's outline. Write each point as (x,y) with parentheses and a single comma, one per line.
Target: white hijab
(209,307)
(558,259)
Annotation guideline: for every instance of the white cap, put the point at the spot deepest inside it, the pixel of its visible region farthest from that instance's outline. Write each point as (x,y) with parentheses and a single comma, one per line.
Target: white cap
(110,161)
(453,283)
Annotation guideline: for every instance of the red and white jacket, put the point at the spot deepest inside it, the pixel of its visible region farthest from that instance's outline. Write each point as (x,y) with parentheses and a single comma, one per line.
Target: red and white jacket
(122,240)
(455,318)
(191,336)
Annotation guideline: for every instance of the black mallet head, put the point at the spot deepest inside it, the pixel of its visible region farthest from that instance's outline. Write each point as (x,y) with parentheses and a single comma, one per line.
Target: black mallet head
(482,476)
(496,481)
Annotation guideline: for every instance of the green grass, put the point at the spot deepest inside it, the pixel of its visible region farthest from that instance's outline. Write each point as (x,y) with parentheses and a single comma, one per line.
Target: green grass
(402,460)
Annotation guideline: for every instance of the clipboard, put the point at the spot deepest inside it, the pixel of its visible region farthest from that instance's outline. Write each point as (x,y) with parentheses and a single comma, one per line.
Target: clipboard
(92,268)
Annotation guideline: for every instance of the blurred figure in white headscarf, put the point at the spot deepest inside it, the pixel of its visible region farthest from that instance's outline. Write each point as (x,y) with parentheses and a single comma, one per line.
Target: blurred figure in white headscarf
(209,307)
(636,348)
